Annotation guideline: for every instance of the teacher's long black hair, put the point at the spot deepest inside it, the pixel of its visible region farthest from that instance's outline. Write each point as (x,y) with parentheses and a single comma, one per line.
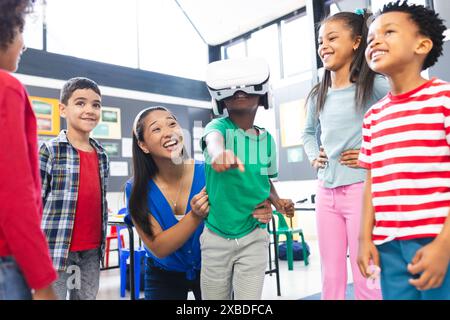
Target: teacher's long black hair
(144,169)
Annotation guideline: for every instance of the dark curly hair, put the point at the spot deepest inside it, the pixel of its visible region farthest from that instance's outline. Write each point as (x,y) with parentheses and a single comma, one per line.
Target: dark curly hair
(12,16)
(428,22)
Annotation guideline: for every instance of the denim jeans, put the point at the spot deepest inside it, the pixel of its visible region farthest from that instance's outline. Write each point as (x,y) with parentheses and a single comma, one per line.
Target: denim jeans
(394,257)
(168,285)
(82,277)
(12,283)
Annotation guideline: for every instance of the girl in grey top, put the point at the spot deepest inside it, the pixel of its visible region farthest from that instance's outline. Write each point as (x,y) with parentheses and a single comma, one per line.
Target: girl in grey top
(347,89)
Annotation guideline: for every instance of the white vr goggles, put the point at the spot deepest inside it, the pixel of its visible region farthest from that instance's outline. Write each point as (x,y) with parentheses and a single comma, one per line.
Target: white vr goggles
(226,77)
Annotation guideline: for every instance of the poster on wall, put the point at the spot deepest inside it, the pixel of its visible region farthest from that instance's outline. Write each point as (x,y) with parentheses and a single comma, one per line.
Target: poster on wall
(47,115)
(292,122)
(118,169)
(109,126)
(111,148)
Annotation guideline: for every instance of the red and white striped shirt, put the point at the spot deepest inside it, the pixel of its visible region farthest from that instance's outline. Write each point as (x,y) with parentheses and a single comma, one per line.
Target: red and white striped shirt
(406,142)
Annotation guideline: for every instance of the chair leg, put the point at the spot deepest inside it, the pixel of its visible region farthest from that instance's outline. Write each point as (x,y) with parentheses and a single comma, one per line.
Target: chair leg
(118,249)
(289,251)
(123,276)
(277,264)
(137,275)
(107,252)
(270,259)
(305,254)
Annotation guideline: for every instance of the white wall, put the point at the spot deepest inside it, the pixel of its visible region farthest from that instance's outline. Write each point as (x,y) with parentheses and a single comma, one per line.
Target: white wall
(116,201)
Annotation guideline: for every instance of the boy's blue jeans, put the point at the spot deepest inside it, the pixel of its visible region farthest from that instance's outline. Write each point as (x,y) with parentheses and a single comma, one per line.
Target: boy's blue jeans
(394,258)
(12,282)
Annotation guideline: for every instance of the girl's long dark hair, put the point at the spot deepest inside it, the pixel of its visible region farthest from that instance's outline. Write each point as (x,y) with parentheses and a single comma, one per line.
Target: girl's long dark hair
(360,73)
(144,170)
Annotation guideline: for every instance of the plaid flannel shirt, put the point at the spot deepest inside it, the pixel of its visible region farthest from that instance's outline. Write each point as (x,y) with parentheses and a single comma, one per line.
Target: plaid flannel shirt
(59,164)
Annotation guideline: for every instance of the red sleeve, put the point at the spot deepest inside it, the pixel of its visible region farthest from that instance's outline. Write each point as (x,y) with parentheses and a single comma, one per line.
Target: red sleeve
(20,215)
(366,147)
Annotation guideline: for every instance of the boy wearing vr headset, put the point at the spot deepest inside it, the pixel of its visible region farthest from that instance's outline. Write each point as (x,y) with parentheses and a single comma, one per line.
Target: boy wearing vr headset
(240,160)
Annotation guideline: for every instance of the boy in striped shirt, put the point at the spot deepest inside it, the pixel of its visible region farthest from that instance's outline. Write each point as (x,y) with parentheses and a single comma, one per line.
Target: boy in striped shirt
(406,138)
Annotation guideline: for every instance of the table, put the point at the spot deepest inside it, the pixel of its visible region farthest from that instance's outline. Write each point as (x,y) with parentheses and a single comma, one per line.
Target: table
(305,205)
(119,222)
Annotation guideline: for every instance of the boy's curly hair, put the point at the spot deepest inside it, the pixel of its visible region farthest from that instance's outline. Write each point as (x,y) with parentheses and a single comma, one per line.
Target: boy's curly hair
(12,16)
(428,22)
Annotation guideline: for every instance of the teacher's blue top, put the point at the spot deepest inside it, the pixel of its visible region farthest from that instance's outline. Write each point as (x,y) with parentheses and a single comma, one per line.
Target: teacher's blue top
(187,258)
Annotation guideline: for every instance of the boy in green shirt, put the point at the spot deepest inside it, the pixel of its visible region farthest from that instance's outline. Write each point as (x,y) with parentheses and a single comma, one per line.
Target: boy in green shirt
(240,160)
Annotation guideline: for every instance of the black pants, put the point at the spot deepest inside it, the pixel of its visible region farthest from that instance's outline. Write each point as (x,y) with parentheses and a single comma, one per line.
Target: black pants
(169,285)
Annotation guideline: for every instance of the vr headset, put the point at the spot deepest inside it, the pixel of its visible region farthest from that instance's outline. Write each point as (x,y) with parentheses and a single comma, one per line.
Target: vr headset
(225,77)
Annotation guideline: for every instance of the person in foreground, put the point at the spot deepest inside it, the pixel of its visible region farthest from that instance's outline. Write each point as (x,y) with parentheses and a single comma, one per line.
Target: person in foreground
(26,269)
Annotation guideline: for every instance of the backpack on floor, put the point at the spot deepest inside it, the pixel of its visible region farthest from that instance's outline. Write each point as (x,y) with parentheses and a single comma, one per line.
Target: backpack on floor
(297,249)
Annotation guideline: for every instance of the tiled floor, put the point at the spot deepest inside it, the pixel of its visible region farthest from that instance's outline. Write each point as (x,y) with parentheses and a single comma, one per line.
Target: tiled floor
(300,282)
(296,284)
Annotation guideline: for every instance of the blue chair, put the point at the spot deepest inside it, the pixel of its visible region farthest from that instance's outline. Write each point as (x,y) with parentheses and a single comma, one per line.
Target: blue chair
(124,254)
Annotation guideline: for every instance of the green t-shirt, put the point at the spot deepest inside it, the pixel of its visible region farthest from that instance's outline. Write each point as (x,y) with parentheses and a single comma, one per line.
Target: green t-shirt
(233,194)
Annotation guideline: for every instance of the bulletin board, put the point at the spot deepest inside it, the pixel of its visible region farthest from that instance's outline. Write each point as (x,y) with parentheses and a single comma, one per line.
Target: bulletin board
(47,115)
(109,126)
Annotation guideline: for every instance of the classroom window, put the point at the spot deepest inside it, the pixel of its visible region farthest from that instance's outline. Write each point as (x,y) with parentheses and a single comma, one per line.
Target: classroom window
(264,43)
(378,4)
(101,30)
(150,35)
(33,30)
(168,43)
(297,45)
(236,50)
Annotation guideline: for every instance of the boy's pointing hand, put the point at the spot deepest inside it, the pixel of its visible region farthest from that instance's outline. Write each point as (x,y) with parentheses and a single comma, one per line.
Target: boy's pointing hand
(226,160)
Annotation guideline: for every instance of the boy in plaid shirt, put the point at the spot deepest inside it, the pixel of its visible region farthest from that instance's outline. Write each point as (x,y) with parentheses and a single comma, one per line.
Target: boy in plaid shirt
(74,169)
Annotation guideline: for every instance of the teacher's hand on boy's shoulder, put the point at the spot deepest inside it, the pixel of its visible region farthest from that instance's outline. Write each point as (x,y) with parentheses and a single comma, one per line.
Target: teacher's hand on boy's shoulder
(200,204)
(263,212)
(226,160)
(349,158)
